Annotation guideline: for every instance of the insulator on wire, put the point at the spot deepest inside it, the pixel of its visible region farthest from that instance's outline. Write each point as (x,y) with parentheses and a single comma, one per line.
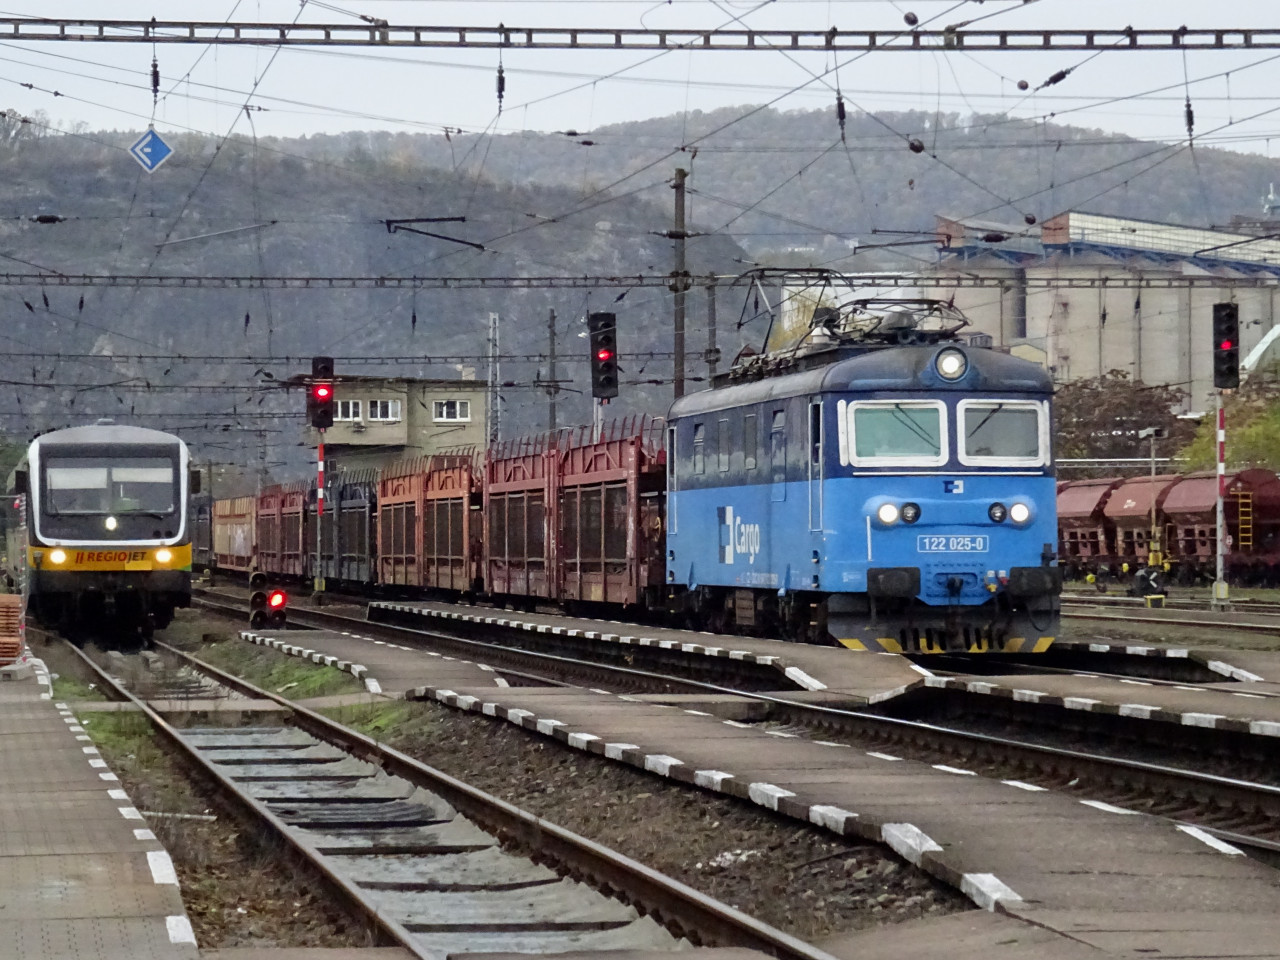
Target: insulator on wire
(502,87)
(155,81)
(840,115)
(1191,119)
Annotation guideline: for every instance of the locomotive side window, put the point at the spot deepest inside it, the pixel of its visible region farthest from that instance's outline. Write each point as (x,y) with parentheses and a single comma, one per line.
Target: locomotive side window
(699,453)
(778,446)
(722,445)
(749,437)
(898,433)
(1007,433)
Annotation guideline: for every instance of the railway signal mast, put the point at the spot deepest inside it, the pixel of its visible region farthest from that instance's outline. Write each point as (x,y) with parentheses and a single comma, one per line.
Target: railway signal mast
(1226,376)
(602,329)
(321,407)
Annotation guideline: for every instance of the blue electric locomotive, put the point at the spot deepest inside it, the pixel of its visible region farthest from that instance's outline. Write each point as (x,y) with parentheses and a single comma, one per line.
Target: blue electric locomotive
(890,497)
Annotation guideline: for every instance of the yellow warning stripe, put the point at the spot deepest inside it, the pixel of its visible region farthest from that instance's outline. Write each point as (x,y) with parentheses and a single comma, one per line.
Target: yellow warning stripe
(890,645)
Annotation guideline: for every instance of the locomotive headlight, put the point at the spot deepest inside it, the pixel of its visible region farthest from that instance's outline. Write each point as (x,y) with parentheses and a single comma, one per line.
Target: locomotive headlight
(888,513)
(164,556)
(910,512)
(951,364)
(1020,513)
(58,556)
(997,512)
(112,523)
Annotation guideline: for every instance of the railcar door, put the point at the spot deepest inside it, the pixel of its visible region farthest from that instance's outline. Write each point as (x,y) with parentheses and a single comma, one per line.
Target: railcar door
(778,456)
(815,465)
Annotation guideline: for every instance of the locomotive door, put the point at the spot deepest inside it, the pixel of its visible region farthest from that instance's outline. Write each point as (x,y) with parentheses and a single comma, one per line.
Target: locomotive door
(814,459)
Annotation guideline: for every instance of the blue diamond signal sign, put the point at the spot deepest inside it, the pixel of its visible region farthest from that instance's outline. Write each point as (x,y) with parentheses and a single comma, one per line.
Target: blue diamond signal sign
(151,151)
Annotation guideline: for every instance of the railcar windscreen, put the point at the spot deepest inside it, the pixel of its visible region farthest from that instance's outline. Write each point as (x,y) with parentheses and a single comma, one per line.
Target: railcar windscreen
(1003,433)
(898,433)
(91,485)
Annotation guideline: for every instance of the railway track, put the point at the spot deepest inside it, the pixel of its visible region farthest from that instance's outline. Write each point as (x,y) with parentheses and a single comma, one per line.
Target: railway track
(1171,615)
(429,862)
(1236,810)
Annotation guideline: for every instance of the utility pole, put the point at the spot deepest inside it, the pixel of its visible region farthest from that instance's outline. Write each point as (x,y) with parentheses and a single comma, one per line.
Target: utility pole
(679,281)
(493,413)
(552,386)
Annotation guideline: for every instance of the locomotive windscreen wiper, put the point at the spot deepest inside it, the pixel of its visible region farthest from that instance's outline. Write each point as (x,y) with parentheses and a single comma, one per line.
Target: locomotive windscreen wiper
(983,422)
(901,415)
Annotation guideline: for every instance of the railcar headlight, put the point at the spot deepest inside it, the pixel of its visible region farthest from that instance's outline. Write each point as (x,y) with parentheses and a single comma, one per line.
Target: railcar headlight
(888,513)
(58,556)
(952,364)
(164,556)
(910,512)
(997,512)
(112,523)
(1020,513)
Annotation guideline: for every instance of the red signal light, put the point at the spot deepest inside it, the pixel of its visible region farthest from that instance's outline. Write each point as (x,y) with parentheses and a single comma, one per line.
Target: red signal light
(322,391)
(1225,345)
(276,599)
(604,354)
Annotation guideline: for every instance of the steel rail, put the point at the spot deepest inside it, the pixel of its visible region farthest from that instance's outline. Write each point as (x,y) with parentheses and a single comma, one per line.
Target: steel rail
(254,810)
(1074,612)
(674,903)
(1202,787)
(382,34)
(648,280)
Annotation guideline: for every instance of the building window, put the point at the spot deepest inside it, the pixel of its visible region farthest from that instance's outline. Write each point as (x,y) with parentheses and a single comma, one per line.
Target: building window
(384,409)
(348,410)
(446,410)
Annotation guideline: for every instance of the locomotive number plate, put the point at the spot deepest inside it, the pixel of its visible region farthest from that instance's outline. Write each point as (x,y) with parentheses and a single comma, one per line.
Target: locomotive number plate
(934,544)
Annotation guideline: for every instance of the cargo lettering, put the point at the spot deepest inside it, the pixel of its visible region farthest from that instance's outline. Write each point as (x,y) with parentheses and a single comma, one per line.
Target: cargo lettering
(110,556)
(736,537)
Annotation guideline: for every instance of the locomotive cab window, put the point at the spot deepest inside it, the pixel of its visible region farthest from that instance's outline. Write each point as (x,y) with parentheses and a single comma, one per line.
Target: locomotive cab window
(896,433)
(1006,433)
(90,485)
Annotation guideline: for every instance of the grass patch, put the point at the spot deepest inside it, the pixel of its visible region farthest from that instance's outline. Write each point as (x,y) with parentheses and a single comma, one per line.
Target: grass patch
(292,677)
(73,688)
(398,718)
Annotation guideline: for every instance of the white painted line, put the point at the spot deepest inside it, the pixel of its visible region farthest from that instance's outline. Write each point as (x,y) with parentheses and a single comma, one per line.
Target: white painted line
(697,713)
(711,779)
(500,682)
(1264,728)
(979,686)
(180,931)
(661,764)
(372,685)
(142,833)
(921,670)
(161,867)
(1251,696)
(768,794)
(1189,689)
(130,813)
(830,743)
(908,841)
(614,750)
(1136,683)
(937,683)
(98,764)
(832,818)
(1079,703)
(89,749)
(796,675)
(1208,838)
(1218,666)
(737,723)
(779,733)
(1139,710)
(1108,808)
(1029,787)
(882,756)
(945,769)
(61,706)
(117,795)
(1028,696)
(986,889)
(110,777)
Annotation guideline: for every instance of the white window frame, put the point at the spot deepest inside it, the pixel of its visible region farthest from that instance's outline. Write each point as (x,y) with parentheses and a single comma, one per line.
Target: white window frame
(439,406)
(1042,426)
(393,411)
(848,433)
(353,411)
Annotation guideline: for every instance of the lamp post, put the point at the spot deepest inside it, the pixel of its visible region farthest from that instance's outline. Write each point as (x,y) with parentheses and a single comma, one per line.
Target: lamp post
(1155,553)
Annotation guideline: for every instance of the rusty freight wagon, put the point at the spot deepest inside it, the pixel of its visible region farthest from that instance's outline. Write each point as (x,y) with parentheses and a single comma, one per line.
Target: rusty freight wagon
(348,531)
(234,533)
(429,526)
(281,530)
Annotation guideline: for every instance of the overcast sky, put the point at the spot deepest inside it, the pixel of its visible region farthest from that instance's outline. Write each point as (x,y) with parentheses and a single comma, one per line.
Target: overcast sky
(1236,95)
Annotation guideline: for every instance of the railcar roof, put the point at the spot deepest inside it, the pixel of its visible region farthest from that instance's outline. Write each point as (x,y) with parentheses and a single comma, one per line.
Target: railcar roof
(892,368)
(105,433)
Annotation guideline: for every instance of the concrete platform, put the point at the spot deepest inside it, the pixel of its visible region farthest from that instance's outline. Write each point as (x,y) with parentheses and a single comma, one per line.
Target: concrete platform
(81,877)
(1082,873)
(1251,708)
(374,662)
(307,953)
(859,677)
